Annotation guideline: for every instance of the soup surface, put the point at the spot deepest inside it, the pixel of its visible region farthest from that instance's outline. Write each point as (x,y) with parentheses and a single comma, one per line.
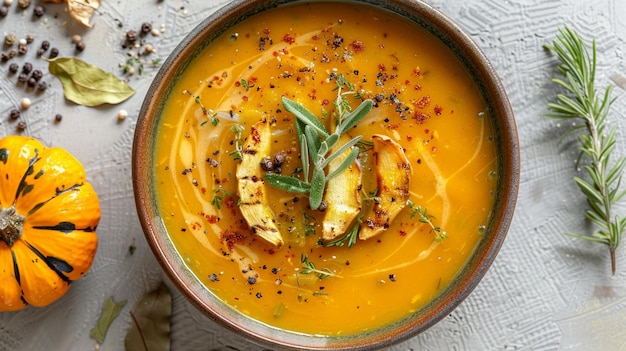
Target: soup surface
(423,100)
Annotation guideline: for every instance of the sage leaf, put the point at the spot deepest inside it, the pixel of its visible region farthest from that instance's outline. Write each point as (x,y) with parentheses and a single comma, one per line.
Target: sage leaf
(355,116)
(341,150)
(316,193)
(150,318)
(305,116)
(86,84)
(345,164)
(110,311)
(287,183)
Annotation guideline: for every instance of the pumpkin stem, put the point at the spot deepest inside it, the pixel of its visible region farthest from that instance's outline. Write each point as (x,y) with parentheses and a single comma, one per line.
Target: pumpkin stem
(11,224)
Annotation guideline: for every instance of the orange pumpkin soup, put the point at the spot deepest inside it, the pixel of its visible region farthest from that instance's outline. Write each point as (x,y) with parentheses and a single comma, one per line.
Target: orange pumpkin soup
(422,100)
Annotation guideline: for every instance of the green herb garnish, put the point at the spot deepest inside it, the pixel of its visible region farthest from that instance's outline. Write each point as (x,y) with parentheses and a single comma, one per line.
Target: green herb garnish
(237,153)
(309,267)
(315,145)
(425,218)
(583,102)
(219,194)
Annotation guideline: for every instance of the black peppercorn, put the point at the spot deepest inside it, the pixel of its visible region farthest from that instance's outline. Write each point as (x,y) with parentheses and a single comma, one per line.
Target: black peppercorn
(37,74)
(41,86)
(323,206)
(14,114)
(45,45)
(22,49)
(146,28)
(29,38)
(27,68)
(279,159)
(54,52)
(58,117)
(21,125)
(4,11)
(22,78)
(131,36)
(80,46)
(4,57)
(266,164)
(14,67)
(38,11)
(31,82)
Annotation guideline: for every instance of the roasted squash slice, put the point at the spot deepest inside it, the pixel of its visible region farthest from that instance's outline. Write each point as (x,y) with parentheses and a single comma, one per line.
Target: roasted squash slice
(342,196)
(392,170)
(251,186)
(48,219)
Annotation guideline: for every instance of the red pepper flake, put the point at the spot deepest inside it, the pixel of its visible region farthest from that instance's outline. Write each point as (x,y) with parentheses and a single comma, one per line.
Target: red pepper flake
(212,219)
(244,98)
(289,38)
(417,87)
(438,110)
(230,201)
(231,238)
(316,37)
(434,149)
(311,95)
(203,191)
(357,46)
(420,117)
(402,233)
(393,126)
(381,67)
(417,72)
(237,84)
(266,31)
(423,102)
(409,138)
(252,80)
(325,102)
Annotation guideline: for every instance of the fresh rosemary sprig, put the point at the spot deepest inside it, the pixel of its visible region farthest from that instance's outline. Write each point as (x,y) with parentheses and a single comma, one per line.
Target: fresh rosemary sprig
(316,143)
(584,102)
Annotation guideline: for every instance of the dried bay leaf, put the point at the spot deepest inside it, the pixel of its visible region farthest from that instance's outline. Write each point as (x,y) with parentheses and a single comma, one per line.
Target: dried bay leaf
(86,84)
(80,10)
(110,311)
(150,318)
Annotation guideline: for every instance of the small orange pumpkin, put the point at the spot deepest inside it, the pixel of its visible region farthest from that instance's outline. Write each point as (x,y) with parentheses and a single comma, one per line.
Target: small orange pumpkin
(48,219)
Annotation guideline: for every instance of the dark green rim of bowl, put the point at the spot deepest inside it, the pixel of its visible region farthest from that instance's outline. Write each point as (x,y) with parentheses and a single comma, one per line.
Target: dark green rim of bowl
(499,111)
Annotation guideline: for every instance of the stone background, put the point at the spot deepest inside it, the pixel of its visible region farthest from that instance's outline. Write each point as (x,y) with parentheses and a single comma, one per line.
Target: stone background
(545,290)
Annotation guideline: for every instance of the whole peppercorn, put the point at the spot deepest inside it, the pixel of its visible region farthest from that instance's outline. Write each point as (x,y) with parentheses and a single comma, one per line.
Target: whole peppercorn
(38,11)
(4,57)
(22,78)
(266,164)
(14,114)
(40,52)
(45,45)
(4,11)
(58,117)
(22,49)
(14,67)
(54,52)
(41,86)
(23,3)
(37,74)
(146,28)
(21,125)
(12,54)
(27,68)
(80,46)
(30,38)
(131,36)
(31,82)
(9,39)
(279,158)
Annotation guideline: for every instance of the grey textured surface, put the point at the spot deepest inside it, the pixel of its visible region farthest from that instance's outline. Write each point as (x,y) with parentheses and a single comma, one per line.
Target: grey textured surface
(545,291)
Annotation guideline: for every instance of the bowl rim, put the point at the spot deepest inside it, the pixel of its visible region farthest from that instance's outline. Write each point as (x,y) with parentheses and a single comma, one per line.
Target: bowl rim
(484,75)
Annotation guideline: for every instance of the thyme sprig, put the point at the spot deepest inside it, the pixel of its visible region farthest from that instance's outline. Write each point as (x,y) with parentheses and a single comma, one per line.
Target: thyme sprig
(309,267)
(424,217)
(316,146)
(584,102)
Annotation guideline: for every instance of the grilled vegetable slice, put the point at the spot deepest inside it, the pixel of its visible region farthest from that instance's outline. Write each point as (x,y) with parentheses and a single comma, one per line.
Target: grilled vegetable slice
(343,196)
(393,176)
(252,193)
